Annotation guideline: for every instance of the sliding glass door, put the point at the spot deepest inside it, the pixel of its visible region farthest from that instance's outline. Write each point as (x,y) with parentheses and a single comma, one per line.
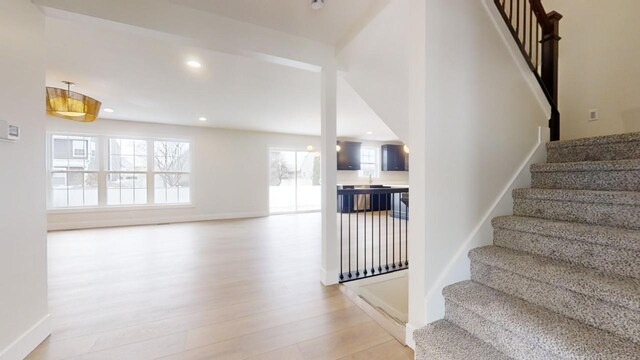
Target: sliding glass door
(294,181)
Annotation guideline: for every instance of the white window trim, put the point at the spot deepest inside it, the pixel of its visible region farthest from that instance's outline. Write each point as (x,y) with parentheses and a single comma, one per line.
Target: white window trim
(103,154)
(376,163)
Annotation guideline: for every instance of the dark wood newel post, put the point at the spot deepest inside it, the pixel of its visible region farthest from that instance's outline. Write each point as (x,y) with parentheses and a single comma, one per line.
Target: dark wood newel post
(550,52)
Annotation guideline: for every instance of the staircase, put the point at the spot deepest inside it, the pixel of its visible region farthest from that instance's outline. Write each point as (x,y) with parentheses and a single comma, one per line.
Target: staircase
(562,280)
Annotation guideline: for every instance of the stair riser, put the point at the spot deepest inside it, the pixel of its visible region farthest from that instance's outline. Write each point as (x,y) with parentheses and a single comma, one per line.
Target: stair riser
(603,258)
(626,216)
(600,152)
(503,340)
(587,180)
(595,312)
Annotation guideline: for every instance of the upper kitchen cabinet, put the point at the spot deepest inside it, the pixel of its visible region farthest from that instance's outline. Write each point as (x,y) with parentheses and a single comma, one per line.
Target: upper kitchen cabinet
(349,155)
(394,158)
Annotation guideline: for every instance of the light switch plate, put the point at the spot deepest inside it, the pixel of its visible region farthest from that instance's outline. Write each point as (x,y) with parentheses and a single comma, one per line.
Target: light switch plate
(594,115)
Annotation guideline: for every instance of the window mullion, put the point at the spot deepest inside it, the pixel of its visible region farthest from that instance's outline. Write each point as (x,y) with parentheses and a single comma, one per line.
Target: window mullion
(150,172)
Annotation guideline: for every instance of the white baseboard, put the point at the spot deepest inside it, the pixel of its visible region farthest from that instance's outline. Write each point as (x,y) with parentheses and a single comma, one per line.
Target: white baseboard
(151,220)
(409,329)
(458,268)
(328,278)
(28,341)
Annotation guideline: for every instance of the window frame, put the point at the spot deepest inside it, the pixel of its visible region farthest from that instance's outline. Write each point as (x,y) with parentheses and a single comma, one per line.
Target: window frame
(102,150)
(376,162)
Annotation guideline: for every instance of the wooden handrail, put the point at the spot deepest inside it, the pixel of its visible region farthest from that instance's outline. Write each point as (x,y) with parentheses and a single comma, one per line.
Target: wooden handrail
(542,58)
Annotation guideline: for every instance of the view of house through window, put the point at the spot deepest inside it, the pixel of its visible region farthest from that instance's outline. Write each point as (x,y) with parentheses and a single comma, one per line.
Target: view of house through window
(74,171)
(294,181)
(82,175)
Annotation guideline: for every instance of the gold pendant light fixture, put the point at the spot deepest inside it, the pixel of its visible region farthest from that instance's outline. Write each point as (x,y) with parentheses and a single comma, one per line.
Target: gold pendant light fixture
(71,105)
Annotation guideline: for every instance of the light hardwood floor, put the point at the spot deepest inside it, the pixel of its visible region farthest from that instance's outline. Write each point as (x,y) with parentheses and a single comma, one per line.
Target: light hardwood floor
(234,289)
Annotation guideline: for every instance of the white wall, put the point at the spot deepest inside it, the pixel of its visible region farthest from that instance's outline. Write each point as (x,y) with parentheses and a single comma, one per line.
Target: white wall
(376,63)
(599,54)
(347,177)
(230,175)
(482,119)
(23,259)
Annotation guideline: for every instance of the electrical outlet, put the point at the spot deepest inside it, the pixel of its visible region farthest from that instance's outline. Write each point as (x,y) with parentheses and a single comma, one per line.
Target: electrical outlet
(594,115)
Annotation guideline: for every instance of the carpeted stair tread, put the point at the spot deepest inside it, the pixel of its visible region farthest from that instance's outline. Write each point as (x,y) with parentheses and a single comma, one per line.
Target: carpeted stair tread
(445,341)
(613,147)
(606,208)
(527,323)
(615,175)
(622,291)
(603,235)
(586,166)
(582,196)
(596,140)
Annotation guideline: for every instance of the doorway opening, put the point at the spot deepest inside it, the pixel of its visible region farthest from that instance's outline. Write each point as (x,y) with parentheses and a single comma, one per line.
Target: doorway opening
(294,181)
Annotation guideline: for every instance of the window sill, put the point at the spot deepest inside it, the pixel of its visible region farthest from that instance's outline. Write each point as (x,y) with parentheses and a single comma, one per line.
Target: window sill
(119,208)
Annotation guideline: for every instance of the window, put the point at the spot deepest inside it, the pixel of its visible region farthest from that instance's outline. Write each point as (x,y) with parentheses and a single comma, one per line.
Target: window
(369,164)
(91,171)
(74,171)
(127,173)
(171,172)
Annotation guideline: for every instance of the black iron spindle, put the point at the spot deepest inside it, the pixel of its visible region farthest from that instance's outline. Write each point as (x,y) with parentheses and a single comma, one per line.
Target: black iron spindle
(355,203)
(379,233)
(373,269)
(400,230)
(364,217)
(341,202)
(386,230)
(349,210)
(393,232)
(406,236)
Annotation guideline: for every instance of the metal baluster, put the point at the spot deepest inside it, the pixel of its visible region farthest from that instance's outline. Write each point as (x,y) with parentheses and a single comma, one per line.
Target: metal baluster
(406,237)
(365,234)
(379,234)
(373,269)
(511,12)
(355,203)
(531,32)
(400,230)
(524,26)
(537,46)
(393,232)
(386,230)
(518,17)
(349,212)
(340,203)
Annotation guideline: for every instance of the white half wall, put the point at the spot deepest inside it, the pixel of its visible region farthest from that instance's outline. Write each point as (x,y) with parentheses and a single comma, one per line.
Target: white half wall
(230,177)
(482,120)
(24,320)
(599,54)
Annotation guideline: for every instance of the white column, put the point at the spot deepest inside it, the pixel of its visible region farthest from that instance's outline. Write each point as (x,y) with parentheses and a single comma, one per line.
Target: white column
(330,265)
(417,175)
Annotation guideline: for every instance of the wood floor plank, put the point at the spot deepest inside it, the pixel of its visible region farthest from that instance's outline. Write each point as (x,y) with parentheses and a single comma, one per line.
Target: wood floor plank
(232,289)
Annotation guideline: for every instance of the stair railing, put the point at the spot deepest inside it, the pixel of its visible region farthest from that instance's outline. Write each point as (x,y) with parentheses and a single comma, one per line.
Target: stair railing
(373,231)
(537,34)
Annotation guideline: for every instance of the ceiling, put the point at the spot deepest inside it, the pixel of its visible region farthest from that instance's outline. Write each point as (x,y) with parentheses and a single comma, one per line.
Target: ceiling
(145,78)
(328,25)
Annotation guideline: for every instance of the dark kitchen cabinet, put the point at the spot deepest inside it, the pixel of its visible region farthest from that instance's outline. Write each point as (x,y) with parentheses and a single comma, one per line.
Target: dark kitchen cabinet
(349,155)
(394,158)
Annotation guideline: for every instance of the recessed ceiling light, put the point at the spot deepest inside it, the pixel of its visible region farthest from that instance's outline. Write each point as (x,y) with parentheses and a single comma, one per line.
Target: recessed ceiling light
(309,147)
(107,110)
(369,132)
(202,118)
(194,64)
(317,4)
